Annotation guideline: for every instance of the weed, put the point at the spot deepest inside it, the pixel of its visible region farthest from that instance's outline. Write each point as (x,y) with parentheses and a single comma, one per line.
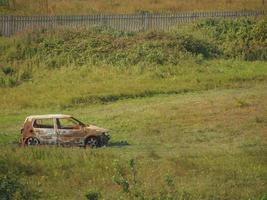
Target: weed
(153,155)
(259,119)
(8,70)
(241,103)
(11,188)
(120,177)
(93,195)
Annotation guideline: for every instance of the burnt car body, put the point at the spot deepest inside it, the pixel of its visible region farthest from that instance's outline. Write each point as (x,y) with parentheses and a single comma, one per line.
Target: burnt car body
(61,130)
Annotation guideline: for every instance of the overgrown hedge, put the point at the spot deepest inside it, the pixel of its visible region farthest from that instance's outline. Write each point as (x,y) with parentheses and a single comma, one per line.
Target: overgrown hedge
(244,39)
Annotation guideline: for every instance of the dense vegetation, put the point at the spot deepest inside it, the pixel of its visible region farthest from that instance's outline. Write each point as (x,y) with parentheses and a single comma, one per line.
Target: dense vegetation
(244,39)
(59,7)
(186,110)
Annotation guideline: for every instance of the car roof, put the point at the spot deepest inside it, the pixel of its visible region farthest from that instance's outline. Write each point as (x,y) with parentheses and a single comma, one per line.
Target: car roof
(49,116)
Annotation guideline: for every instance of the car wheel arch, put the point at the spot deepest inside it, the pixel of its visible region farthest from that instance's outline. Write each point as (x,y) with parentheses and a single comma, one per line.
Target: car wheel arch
(34,137)
(89,137)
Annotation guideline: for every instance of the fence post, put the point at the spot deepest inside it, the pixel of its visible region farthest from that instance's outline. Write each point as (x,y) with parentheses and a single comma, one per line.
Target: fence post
(1,25)
(103,21)
(9,25)
(146,21)
(143,21)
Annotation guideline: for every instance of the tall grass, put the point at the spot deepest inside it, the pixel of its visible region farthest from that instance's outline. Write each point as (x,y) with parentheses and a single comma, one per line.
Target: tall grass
(72,86)
(60,7)
(194,146)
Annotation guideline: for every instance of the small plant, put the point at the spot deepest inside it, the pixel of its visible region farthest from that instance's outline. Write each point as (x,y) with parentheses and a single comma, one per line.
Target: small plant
(259,119)
(264,197)
(93,195)
(152,154)
(168,180)
(7,70)
(26,75)
(11,77)
(133,170)
(241,103)
(129,183)
(120,177)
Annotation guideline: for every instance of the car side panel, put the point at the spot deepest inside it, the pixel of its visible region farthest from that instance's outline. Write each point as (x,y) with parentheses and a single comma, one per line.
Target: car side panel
(70,136)
(46,135)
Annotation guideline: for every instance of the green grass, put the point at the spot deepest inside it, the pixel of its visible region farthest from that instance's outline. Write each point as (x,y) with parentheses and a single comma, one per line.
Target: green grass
(70,87)
(210,146)
(190,129)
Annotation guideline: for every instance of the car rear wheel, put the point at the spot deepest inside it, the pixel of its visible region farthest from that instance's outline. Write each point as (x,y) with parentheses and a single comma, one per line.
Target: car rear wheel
(31,141)
(91,142)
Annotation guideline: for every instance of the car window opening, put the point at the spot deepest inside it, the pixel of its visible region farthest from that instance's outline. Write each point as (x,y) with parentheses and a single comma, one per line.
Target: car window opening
(43,123)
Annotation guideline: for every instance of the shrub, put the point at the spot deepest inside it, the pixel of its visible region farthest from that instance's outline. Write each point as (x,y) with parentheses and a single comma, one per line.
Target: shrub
(7,70)
(244,38)
(12,189)
(11,76)
(241,38)
(93,195)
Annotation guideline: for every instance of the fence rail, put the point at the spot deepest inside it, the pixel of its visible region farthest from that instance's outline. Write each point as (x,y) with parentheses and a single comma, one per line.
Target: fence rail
(10,25)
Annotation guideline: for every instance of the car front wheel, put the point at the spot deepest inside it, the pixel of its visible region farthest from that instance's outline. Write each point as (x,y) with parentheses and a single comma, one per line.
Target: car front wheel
(31,141)
(91,142)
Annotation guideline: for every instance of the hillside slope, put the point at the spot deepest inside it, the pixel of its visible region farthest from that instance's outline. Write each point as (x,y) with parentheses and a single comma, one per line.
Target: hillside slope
(101,65)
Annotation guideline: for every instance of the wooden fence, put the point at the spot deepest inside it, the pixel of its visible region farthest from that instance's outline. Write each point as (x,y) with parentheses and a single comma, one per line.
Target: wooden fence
(10,25)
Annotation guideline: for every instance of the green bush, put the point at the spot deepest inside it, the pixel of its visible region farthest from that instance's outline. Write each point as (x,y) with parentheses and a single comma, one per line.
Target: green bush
(244,39)
(7,70)
(241,38)
(93,195)
(12,189)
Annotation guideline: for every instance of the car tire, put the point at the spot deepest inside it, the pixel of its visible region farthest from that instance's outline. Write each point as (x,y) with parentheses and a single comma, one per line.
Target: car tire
(32,141)
(92,142)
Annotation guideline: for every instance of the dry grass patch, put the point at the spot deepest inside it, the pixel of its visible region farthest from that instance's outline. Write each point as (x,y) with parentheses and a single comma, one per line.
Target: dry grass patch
(62,7)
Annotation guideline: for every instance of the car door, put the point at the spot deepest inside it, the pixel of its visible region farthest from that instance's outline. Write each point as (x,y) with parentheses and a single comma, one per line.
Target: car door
(69,131)
(44,130)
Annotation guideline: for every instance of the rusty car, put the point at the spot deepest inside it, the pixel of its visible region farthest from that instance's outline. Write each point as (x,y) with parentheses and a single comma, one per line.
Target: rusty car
(61,130)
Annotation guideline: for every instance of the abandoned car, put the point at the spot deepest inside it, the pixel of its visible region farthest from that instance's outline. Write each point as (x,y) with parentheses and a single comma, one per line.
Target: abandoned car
(62,130)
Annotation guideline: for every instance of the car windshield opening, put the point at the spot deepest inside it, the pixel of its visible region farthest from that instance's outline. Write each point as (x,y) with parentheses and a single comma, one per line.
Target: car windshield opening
(69,123)
(80,123)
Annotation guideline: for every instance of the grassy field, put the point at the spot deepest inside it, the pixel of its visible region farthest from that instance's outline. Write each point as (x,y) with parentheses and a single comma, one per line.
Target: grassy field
(70,7)
(186,110)
(203,145)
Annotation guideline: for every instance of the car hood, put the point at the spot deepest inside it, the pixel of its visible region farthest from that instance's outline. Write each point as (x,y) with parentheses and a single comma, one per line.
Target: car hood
(96,128)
